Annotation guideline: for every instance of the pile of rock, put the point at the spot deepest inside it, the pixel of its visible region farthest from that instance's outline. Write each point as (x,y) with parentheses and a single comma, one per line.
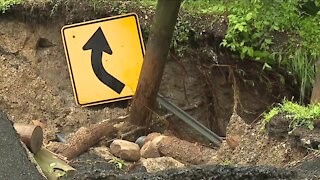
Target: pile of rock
(159,152)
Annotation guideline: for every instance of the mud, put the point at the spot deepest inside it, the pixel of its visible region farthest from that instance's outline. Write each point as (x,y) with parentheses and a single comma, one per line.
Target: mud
(35,83)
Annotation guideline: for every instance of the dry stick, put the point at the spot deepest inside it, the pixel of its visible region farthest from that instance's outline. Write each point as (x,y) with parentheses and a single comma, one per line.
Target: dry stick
(30,135)
(85,138)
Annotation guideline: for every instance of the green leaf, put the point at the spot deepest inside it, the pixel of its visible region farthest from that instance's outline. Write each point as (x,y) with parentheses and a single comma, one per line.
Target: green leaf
(242,56)
(276,27)
(250,51)
(240,27)
(268,41)
(249,16)
(310,126)
(223,43)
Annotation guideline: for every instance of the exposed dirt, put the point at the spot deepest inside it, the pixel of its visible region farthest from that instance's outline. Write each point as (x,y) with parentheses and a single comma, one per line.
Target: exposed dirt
(208,82)
(35,83)
(256,147)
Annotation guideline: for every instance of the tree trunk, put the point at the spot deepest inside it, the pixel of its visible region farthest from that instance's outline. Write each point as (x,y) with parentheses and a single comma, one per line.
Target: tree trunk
(315,96)
(154,61)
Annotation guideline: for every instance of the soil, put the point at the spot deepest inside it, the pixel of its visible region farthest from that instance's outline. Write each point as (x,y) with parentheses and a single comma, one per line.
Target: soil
(256,147)
(208,82)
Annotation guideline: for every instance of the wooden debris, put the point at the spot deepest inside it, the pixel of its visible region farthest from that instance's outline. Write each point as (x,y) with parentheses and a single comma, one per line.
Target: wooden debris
(182,150)
(30,135)
(39,123)
(85,138)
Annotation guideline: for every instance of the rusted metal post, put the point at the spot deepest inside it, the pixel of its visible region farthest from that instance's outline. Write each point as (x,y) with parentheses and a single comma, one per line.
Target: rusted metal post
(154,61)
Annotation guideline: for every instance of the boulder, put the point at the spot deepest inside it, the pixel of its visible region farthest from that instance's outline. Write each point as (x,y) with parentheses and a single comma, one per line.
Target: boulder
(125,150)
(149,150)
(160,163)
(140,141)
(103,152)
(151,136)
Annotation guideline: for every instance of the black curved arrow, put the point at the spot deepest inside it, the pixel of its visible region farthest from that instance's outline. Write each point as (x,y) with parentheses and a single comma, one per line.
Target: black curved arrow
(99,44)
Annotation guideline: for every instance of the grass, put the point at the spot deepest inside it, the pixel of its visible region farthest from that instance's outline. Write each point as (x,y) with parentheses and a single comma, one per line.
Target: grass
(195,6)
(299,115)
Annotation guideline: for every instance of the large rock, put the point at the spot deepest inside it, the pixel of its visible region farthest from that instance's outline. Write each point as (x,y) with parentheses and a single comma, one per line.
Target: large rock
(103,152)
(125,150)
(160,163)
(149,150)
(151,136)
(151,147)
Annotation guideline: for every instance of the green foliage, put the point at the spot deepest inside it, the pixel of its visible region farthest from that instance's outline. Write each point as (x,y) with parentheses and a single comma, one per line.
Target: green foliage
(6,4)
(118,162)
(299,115)
(255,26)
(226,163)
(204,6)
(181,36)
(277,33)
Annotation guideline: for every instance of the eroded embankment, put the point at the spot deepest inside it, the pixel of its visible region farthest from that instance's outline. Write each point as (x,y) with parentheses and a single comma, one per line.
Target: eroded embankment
(208,82)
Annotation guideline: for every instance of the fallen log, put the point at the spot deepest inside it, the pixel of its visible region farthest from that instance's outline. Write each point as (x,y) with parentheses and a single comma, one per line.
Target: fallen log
(180,150)
(85,138)
(30,135)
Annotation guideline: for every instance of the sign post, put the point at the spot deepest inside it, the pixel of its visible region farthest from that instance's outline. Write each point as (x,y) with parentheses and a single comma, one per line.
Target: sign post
(154,62)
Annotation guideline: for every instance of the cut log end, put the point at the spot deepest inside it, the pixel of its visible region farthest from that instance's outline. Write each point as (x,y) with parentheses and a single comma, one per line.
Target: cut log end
(30,135)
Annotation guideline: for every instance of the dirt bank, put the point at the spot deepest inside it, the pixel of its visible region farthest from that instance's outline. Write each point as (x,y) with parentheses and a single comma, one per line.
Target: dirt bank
(210,83)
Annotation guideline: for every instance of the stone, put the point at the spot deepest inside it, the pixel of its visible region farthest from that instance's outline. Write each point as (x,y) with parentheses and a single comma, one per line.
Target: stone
(233,141)
(151,136)
(103,152)
(125,150)
(149,150)
(160,163)
(140,141)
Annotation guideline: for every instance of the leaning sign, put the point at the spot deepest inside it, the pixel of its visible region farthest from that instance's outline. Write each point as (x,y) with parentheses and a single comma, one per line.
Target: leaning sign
(104,57)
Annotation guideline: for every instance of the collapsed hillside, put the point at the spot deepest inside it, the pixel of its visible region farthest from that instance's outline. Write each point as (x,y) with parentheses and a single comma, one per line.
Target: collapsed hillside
(209,82)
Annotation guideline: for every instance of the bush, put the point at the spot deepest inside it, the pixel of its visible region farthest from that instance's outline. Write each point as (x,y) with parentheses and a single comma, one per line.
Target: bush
(6,4)
(299,115)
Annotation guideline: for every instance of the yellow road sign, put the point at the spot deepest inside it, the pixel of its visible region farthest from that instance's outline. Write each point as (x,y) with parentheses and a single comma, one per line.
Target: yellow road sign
(104,58)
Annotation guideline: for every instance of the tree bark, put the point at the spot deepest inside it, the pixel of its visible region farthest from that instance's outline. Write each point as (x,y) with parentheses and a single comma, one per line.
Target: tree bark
(179,149)
(85,138)
(315,96)
(154,61)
